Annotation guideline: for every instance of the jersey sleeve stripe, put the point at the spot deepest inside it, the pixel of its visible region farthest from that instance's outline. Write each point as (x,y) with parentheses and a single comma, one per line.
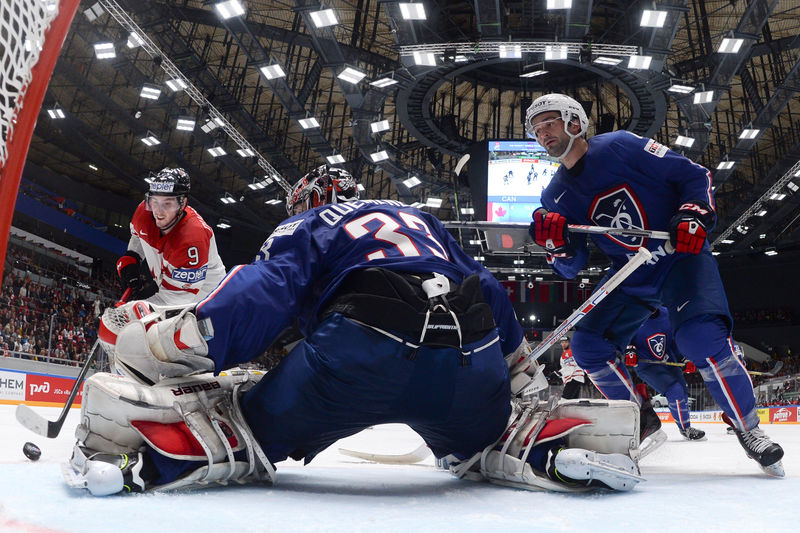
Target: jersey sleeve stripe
(225,280)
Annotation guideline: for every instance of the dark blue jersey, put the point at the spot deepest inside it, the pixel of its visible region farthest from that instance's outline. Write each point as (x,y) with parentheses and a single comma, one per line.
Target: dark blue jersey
(307,256)
(626,181)
(655,341)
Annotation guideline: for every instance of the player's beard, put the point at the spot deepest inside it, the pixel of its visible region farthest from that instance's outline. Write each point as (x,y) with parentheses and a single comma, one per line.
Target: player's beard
(557,149)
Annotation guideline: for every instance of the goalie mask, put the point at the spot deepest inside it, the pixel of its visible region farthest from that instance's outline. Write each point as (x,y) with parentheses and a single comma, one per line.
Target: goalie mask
(323,185)
(570,110)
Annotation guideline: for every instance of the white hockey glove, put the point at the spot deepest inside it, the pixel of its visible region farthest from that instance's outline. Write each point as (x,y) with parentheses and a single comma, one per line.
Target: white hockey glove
(526,374)
(149,350)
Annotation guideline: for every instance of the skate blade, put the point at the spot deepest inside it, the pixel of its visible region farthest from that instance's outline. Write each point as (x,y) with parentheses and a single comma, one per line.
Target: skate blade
(774,470)
(614,470)
(539,484)
(651,443)
(74,479)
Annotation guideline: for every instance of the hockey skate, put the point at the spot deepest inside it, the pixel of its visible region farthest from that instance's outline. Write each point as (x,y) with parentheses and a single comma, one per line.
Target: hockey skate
(105,473)
(691,433)
(651,436)
(592,469)
(758,446)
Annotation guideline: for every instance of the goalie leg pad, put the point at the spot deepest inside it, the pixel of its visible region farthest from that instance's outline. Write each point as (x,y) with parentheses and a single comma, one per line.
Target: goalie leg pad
(614,425)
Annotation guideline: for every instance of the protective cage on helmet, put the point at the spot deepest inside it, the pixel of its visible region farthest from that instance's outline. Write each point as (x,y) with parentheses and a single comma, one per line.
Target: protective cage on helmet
(323,185)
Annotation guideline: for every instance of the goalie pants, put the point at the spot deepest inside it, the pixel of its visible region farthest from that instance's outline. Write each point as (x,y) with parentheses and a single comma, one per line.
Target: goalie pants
(699,315)
(346,377)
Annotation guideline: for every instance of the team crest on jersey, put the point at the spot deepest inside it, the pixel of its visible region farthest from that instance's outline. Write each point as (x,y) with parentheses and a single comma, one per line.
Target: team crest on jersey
(619,208)
(658,345)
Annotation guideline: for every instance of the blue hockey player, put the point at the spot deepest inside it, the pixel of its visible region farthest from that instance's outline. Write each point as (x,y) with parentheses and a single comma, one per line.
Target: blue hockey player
(400,326)
(651,347)
(621,180)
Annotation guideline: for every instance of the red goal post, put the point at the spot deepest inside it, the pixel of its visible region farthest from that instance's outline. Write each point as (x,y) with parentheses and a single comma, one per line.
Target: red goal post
(28,28)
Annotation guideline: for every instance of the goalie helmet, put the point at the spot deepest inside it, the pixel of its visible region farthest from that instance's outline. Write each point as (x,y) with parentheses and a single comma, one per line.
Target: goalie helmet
(569,109)
(170,182)
(323,185)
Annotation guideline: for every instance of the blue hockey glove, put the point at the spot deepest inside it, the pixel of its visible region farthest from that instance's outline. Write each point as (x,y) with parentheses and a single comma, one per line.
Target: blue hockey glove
(551,231)
(689,226)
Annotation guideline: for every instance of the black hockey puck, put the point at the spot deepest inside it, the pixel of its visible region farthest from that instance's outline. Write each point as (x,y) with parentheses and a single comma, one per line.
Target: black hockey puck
(31,451)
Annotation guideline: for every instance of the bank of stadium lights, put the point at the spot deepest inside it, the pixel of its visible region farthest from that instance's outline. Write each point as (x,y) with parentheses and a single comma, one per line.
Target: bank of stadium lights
(56,113)
(323,18)
(682,140)
(134,40)
(559,4)
(425,59)
(778,196)
(792,186)
(351,75)
(380,155)
(379,126)
(216,151)
(727,241)
(273,201)
(227,199)
(104,50)
(176,84)
(261,184)
(212,124)
(435,203)
(639,62)
(93,12)
(519,261)
(680,88)
(335,159)
(229,9)
(93,167)
(555,52)
(308,123)
(730,45)
(223,224)
(412,182)
(272,71)
(533,73)
(771,251)
(245,152)
(150,139)
(703,97)
(383,82)
(653,19)
(467,211)
(606,60)
(761,212)
(749,133)
(150,91)
(412,11)
(725,165)
(185,124)
(479,258)
(510,51)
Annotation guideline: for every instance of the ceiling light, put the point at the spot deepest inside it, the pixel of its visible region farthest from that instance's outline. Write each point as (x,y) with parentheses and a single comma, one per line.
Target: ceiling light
(104,50)
(679,88)
(56,113)
(227,199)
(351,75)
(245,152)
(216,151)
(412,182)
(223,224)
(778,196)
(379,156)
(308,123)
(134,40)
(771,252)
(360,188)
(185,124)
(725,165)
(653,19)
(727,241)
(335,159)
(383,82)
(475,242)
(510,51)
(730,45)
(703,97)
(749,134)
(212,124)
(323,18)
(742,229)
(639,62)
(533,73)
(257,185)
(479,258)
(762,236)
(150,139)
(150,91)
(467,211)
(461,59)
(273,201)
(434,202)
(415,11)
(272,71)
(379,126)
(519,262)
(229,8)
(426,59)
(176,84)
(761,213)
(559,4)
(680,140)
(605,60)
(792,186)
(93,167)
(93,12)
(555,52)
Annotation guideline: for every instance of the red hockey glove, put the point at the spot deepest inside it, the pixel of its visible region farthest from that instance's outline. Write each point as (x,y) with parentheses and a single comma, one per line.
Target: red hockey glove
(128,270)
(631,357)
(689,226)
(550,231)
(689,368)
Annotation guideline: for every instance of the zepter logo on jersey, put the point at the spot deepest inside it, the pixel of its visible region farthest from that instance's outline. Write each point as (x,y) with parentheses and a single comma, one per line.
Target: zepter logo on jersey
(619,208)
(658,345)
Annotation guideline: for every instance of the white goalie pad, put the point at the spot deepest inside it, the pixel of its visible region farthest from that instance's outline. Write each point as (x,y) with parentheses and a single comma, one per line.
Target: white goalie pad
(614,425)
(190,418)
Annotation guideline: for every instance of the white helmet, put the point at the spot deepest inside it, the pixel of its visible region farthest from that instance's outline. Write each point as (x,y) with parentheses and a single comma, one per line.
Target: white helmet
(570,110)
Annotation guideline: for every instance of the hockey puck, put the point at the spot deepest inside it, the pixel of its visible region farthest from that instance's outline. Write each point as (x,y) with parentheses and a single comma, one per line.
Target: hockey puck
(31,451)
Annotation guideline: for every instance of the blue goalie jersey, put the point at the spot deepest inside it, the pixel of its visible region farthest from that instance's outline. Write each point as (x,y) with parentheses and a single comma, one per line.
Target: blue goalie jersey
(626,181)
(303,261)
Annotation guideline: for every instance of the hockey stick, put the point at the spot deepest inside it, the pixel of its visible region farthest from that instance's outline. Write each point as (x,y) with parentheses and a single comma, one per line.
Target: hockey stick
(420,454)
(769,373)
(36,422)
(599,294)
(578,228)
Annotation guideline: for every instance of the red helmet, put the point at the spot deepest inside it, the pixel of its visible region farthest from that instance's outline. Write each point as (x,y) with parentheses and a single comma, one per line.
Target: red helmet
(323,185)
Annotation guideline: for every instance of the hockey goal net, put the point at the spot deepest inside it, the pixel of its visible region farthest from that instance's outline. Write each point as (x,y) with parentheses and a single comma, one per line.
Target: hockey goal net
(31,35)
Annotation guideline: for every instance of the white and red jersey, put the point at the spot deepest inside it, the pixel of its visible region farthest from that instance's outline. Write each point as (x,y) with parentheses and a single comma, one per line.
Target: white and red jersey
(569,368)
(184,263)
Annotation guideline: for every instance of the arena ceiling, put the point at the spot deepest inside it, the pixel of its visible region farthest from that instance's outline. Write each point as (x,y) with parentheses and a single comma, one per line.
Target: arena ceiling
(434,113)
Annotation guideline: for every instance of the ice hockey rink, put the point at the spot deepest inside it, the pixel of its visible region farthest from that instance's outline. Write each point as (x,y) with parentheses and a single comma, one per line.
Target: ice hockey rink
(705,486)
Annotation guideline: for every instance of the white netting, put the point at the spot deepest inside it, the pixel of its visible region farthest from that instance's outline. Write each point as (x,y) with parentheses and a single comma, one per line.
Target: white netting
(22,27)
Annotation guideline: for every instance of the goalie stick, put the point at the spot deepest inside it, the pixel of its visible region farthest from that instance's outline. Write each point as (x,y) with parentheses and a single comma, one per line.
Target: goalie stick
(420,454)
(36,422)
(769,373)
(577,228)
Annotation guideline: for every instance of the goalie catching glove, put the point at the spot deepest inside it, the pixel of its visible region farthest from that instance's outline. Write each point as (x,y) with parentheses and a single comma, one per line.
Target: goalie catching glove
(152,348)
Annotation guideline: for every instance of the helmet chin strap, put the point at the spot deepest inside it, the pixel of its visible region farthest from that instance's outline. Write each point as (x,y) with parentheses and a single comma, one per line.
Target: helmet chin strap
(569,147)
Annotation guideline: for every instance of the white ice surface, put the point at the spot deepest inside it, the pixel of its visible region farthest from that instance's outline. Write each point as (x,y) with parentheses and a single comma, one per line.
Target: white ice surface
(706,486)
